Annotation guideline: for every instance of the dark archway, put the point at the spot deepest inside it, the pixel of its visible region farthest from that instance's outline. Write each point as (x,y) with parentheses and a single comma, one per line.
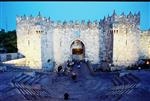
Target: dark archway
(77,50)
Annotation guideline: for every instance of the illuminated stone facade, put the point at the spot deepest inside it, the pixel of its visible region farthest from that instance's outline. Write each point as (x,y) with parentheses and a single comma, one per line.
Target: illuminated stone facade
(145,44)
(115,40)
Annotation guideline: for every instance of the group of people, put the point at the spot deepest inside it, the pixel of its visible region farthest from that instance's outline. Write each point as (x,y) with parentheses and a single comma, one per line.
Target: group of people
(67,69)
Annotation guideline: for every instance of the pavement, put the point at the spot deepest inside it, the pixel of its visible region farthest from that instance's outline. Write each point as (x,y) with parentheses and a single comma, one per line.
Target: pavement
(85,88)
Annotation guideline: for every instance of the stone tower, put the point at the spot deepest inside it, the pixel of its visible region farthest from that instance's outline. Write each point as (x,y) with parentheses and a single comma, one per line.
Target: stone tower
(31,42)
(126,39)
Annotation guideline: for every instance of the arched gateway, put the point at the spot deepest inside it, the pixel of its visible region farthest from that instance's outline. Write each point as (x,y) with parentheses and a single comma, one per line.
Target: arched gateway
(77,50)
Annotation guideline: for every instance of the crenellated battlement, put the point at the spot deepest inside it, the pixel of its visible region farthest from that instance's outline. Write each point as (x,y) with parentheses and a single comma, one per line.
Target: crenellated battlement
(125,19)
(131,19)
(76,24)
(38,20)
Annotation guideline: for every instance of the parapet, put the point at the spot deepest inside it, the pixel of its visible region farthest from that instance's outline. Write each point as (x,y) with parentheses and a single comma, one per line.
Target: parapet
(130,18)
(114,18)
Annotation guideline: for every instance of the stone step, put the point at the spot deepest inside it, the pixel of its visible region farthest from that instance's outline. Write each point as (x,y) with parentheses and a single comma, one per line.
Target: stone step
(117,92)
(115,82)
(19,75)
(30,93)
(27,80)
(38,79)
(23,78)
(128,80)
(31,81)
(18,78)
(134,77)
(125,80)
(119,80)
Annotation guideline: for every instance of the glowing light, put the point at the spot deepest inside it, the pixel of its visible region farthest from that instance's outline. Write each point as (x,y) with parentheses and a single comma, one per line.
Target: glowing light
(147,63)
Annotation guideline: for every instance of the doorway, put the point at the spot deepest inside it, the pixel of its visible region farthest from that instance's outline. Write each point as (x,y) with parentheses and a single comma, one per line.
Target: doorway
(77,50)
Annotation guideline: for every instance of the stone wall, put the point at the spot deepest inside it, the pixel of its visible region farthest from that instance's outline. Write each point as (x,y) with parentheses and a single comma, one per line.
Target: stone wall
(64,35)
(9,56)
(47,55)
(145,45)
(115,39)
(125,45)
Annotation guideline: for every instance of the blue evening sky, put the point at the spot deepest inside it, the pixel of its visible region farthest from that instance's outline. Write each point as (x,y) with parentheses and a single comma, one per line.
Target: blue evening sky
(71,11)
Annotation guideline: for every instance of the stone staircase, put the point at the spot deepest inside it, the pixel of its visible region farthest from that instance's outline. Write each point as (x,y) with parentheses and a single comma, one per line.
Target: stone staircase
(121,86)
(27,79)
(28,86)
(126,79)
(31,93)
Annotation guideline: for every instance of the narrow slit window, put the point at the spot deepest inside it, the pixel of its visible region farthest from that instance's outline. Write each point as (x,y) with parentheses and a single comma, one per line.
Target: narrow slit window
(28,42)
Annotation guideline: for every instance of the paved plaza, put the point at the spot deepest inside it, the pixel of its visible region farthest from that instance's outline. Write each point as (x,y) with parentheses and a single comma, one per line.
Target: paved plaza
(23,85)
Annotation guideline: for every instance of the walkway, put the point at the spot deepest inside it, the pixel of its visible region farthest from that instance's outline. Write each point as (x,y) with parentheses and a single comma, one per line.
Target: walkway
(83,71)
(87,87)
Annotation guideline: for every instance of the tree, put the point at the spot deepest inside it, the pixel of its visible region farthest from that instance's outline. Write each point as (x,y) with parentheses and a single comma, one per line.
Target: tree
(8,40)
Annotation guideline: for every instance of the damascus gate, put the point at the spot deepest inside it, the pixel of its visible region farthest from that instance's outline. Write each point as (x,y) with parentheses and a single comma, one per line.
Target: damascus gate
(115,39)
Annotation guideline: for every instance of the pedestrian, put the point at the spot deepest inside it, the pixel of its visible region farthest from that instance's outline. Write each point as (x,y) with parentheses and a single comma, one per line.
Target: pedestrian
(59,68)
(66,96)
(74,76)
(78,66)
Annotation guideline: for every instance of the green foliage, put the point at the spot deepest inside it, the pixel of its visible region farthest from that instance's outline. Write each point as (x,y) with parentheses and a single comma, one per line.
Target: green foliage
(8,40)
